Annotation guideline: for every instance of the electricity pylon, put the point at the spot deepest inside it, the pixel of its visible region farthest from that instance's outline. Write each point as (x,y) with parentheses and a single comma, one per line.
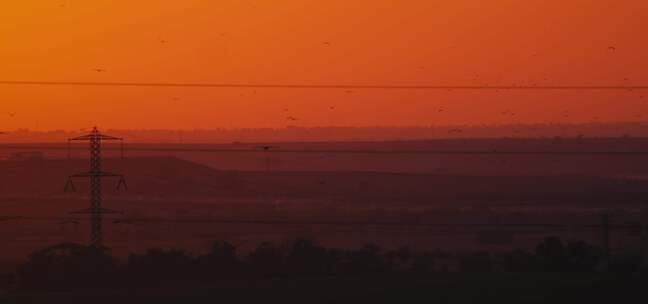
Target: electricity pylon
(95,175)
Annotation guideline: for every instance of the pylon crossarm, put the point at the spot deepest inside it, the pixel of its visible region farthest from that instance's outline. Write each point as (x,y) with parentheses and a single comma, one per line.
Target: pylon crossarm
(96,211)
(84,137)
(108,137)
(101,174)
(95,136)
(69,186)
(122,183)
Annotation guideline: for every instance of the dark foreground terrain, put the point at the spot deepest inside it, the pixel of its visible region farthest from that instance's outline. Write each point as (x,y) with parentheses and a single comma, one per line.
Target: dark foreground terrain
(475,288)
(477,224)
(173,202)
(302,271)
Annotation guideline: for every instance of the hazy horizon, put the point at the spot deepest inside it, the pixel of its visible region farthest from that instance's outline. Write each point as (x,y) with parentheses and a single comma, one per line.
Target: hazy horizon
(324,134)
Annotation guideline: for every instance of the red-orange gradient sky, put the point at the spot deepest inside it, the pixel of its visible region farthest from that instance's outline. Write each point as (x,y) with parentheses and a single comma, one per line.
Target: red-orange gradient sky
(458,42)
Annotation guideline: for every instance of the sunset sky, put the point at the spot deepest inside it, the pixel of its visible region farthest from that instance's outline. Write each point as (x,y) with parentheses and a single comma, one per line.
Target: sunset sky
(459,42)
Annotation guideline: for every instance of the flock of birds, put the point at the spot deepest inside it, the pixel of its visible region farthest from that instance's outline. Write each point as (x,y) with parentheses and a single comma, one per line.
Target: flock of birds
(292,118)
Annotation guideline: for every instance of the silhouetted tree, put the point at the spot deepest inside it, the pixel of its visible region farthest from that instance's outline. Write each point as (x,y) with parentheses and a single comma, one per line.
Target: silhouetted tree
(520,261)
(582,256)
(158,265)
(69,266)
(552,254)
(307,258)
(366,260)
(401,258)
(266,260)
(220,261)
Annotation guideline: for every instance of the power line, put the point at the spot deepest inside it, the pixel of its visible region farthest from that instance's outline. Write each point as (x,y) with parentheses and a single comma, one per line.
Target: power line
(324,223)
(324,86)
(332,151)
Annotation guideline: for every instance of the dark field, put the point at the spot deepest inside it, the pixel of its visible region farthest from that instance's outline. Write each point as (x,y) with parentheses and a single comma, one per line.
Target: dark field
(377,288)
(464,201)
(453,198)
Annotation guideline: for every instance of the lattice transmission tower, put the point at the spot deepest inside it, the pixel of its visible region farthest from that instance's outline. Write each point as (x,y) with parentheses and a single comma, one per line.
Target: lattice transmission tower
(95,175)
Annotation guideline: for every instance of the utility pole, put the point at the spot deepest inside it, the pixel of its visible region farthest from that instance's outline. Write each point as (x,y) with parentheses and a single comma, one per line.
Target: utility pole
(267,157)
(95,175)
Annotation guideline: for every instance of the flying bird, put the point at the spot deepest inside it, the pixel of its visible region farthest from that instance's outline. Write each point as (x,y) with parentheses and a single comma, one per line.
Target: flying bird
(292,118)
(99,70)
(611,48)
(266,148)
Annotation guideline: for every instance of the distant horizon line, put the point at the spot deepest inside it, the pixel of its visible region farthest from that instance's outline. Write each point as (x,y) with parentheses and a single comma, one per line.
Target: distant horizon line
(327,86)
(432,126)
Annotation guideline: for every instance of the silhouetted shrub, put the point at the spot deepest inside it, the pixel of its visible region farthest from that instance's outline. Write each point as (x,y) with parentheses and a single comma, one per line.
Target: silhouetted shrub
(266,260)
(520,261)
(477,262)
(401,258)
(552,254)
(306,258)
(582,256)
(69,266)
(365,260)
(72,266)
(220,261)
(158,265)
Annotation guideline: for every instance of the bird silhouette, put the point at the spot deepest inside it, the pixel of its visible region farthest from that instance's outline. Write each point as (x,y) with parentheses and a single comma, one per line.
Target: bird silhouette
(266,148)
(99,70)
(611,48)
(292,118)
(326,43)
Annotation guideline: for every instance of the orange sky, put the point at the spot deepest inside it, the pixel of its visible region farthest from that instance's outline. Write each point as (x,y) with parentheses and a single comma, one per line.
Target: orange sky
(459,42)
